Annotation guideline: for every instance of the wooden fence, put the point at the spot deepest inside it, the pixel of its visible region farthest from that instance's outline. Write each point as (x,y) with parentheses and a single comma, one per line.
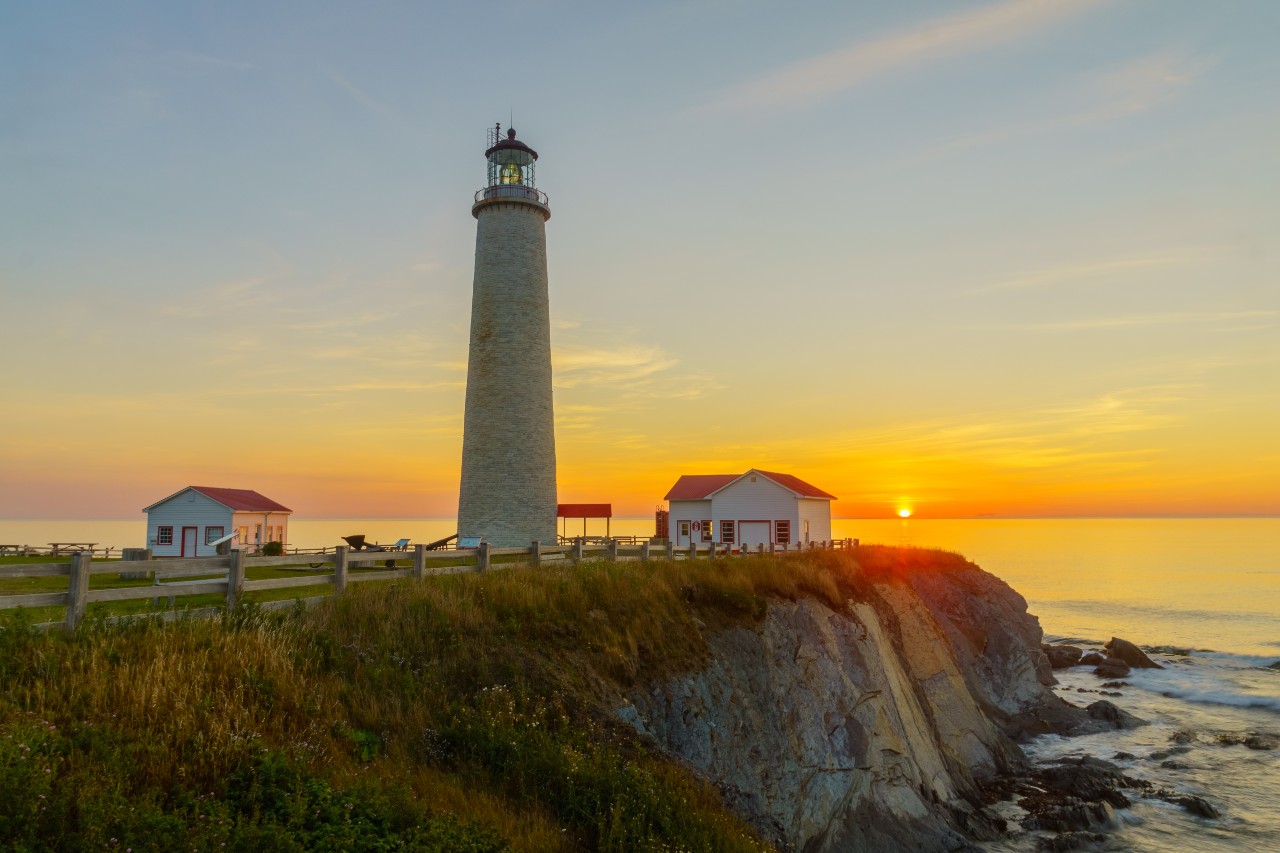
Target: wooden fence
(336,566)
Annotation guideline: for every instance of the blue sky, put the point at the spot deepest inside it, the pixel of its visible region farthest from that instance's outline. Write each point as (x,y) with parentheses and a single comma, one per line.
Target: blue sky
(1013,257)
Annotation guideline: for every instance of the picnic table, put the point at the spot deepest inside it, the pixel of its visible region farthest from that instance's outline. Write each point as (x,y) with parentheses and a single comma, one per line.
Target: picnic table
(69,547)
(13,549)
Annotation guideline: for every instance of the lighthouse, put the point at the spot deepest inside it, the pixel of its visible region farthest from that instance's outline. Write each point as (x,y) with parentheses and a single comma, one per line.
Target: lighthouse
(508,489)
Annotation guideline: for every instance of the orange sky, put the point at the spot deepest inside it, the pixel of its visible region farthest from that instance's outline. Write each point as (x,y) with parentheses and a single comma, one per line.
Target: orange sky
(1008,258)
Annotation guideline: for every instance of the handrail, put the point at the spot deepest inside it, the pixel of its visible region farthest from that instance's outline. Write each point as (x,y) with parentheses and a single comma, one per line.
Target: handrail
(516,191)
(233,583)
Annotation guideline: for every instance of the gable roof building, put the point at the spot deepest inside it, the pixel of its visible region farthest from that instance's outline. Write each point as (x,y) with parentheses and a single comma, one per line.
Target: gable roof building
(749,509)
(189,521)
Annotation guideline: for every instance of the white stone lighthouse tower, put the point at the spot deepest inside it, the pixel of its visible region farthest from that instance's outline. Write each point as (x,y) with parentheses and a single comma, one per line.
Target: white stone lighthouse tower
(508,492)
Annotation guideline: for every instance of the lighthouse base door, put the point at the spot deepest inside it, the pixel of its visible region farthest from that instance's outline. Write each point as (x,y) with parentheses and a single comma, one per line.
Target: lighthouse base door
(753,534)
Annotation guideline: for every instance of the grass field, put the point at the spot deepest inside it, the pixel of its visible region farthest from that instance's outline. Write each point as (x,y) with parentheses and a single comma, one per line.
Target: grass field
(464,713)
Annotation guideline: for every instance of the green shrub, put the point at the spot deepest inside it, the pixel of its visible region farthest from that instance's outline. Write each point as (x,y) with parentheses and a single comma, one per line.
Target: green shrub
(273,549)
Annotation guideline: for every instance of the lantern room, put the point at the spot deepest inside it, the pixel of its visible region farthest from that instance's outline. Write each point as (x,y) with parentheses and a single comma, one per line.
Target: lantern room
(511,172)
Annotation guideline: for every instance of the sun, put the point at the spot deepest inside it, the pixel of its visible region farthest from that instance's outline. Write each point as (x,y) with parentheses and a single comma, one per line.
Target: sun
(904,513)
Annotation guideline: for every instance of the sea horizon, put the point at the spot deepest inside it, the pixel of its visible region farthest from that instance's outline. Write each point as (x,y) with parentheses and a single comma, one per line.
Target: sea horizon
(913,517)
(1207,582)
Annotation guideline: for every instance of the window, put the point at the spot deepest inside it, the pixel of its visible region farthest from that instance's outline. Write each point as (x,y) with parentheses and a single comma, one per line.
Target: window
(212,534)
(782,532)
(257,533)
(806,530)
(707,530)
(164,535)
(726,532)
(244,534)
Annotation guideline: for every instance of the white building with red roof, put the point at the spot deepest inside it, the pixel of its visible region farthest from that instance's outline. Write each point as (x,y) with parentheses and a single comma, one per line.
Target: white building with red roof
(188,522)
(747,510)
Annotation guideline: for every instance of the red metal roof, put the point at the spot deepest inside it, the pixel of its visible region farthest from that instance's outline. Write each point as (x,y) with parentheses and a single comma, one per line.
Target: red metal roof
(696,487)
(241,500)
(584,510)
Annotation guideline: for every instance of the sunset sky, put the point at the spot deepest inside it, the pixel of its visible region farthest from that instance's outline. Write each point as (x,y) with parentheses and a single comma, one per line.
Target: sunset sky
(1016,258)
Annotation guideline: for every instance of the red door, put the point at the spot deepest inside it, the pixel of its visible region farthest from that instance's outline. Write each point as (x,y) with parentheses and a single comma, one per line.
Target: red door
(189,541)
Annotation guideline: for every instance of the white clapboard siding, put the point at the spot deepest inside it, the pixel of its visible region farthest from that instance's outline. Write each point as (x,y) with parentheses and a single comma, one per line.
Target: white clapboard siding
(690,511)
(818,514)
(188,508)
(754,504)
(753,498)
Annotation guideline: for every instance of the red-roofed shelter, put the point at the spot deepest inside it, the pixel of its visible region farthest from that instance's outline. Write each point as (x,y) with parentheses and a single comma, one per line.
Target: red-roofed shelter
(190,521)
(584,511)
(746,510)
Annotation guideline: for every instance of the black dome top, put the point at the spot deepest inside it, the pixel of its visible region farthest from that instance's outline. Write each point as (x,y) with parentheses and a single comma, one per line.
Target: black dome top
(511,143)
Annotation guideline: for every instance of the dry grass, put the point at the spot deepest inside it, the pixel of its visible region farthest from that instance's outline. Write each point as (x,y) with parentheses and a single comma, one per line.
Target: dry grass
(485,696)
(198,695)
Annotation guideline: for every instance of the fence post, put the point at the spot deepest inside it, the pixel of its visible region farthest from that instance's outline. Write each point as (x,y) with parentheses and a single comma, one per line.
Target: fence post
(577,550)
(693,550)
(671,550)
(711,552)
(535,553)
(235,577)
(133,555)
(419,561)
(340,570)
(483,556)
(613,550)
(78,588)
(644,551)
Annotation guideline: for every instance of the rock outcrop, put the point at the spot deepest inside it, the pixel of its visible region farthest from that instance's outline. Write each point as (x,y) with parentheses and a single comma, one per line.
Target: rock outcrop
(1112,668)
(1130,654)
(873,728)
(1063,656)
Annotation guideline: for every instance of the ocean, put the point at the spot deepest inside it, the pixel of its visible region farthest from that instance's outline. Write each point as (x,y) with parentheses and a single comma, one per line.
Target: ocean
(1204,593)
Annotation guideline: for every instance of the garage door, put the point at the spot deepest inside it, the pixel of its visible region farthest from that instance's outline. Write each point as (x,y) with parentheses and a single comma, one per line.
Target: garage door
(753,533)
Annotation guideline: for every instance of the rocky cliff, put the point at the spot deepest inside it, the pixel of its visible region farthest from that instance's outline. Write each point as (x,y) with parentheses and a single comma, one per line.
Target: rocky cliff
(875,727)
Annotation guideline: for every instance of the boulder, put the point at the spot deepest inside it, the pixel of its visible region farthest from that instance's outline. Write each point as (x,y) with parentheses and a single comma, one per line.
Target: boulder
(1263,742)
(1130,654)
(1061,657)
(1198,806)
(1091,779)
(1104,711)
(1112,668)
(1092,659)
(1069,816)
(1076,795)
(1253,740)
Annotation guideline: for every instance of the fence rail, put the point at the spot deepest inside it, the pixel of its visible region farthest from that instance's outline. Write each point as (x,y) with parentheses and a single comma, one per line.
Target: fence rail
(225,575)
